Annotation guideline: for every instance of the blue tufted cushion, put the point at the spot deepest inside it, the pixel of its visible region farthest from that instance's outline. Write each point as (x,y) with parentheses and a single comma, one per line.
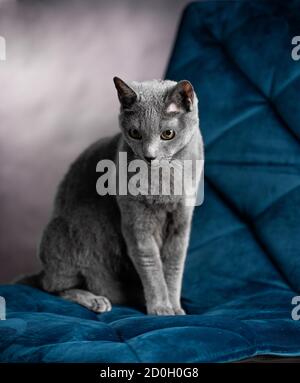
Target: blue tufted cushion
(243,266)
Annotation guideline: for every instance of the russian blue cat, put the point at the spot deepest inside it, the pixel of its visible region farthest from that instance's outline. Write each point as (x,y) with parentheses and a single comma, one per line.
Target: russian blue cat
(125,249)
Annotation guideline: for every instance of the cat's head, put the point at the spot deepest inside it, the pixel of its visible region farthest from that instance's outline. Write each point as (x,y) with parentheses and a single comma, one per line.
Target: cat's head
(157,118)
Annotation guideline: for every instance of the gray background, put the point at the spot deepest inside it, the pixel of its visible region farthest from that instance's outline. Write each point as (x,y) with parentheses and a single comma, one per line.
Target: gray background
(57,97)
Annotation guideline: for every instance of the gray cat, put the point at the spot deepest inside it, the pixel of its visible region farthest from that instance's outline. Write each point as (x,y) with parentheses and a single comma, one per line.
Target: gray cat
(125,249)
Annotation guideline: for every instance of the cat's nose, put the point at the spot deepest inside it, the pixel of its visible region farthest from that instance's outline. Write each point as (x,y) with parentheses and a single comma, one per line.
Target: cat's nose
(149,159)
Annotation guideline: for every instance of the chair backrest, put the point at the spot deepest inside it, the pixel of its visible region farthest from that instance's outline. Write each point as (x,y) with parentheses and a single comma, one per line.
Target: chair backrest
(242,58)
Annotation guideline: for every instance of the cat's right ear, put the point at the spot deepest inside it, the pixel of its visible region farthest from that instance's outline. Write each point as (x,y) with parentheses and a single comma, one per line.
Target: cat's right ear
(181,98)
(126,95)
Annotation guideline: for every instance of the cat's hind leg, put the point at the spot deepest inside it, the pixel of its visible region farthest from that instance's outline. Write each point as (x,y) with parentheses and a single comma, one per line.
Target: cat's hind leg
(61,257)
(96,303)
(65,285)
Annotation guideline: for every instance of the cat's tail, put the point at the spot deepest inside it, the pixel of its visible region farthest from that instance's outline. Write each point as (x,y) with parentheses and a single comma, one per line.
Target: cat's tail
(33,280)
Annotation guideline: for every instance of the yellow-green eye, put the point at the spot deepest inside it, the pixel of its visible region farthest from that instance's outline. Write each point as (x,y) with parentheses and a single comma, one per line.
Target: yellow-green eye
(135,134)
(167,134)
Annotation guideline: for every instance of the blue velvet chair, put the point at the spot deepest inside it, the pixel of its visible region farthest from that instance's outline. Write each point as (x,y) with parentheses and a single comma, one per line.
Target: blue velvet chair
(243,265)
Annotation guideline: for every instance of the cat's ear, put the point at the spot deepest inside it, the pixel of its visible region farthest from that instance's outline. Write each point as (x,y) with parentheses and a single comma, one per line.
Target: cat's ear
(126,95)
(181,98)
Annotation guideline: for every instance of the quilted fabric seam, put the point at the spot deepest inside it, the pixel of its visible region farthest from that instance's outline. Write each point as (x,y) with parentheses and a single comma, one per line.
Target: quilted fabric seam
(286,84)
(276,201)
(235,123)
(251,229)
(216,237)
(271,105)
(248,343)
(123,340)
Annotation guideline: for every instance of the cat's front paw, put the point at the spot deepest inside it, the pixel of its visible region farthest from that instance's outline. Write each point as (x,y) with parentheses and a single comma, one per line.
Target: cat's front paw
(160,310)
(179,311)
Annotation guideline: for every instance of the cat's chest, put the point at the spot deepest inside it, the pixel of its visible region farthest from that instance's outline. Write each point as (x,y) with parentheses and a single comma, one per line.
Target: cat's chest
(167,202)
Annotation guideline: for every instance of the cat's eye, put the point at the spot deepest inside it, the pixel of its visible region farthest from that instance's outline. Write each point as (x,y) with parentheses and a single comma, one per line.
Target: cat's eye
(167,134)
(135,134)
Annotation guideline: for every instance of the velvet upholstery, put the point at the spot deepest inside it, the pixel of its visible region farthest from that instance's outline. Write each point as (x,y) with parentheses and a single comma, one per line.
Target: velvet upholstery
(243,265)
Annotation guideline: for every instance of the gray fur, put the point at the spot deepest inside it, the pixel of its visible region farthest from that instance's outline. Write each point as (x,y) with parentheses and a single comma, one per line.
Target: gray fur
(99,251)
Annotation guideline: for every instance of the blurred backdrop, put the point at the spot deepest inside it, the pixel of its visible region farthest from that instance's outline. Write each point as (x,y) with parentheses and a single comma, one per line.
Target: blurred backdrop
(57,96)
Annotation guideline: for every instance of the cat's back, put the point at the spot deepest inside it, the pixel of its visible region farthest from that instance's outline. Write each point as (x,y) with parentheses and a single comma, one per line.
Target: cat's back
(78,187)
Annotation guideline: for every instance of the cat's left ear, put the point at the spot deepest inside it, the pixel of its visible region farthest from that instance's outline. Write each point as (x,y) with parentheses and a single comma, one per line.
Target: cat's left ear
(127,96)
(181,98)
